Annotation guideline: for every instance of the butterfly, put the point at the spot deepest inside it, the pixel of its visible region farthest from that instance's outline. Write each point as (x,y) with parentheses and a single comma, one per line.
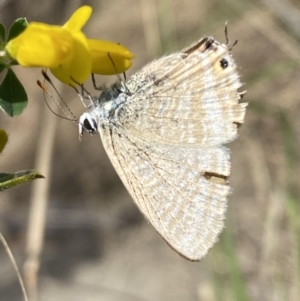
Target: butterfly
(164,131)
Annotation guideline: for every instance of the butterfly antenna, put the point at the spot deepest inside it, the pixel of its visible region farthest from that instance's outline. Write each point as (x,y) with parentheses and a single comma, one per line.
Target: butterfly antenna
(233,45)
(45,89)
(226,33)
(48,79)
(227,37)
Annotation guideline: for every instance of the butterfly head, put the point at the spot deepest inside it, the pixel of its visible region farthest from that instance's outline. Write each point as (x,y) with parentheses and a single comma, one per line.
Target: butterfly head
(87,123)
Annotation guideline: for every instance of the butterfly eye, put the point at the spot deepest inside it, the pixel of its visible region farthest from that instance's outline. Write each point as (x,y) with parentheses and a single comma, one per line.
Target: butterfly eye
(224,63)
(90,125)
(87,124)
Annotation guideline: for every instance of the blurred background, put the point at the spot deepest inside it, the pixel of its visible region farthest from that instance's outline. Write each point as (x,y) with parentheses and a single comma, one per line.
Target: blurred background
(94,243)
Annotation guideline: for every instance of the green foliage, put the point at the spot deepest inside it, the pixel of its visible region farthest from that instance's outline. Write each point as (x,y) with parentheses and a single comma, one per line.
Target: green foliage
(17,28)
(13,100)
(9,180)
(2,34)
(3,139)
(2,67)
(13,97)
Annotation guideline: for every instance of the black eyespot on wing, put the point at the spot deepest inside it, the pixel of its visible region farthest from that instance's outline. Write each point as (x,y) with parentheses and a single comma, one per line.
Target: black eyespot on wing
(224,63)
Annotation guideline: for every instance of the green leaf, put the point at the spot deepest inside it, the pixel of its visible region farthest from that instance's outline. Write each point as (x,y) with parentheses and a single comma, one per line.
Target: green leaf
(3,139)
(2,67)
(2,34)
(13,98)
(9,180)
(16,28)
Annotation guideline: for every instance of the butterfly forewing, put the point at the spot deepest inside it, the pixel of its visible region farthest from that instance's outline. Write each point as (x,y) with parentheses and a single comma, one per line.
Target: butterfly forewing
(194,102)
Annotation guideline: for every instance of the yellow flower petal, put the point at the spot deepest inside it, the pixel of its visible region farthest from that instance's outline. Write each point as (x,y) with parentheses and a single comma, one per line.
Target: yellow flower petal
(109,58)
(79,18)
(76,69)
(41,45)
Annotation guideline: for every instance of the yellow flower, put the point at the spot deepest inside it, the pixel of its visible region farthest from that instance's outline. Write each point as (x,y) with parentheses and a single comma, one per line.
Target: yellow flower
(27,47)
(67,52)
(109,58)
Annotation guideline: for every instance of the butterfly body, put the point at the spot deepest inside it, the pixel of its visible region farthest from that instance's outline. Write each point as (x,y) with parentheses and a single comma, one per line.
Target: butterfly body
(164,132)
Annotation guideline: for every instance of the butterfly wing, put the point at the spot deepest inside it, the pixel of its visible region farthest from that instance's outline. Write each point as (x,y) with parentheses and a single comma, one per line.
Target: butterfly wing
(165,142)
(176,188)
(195,101)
